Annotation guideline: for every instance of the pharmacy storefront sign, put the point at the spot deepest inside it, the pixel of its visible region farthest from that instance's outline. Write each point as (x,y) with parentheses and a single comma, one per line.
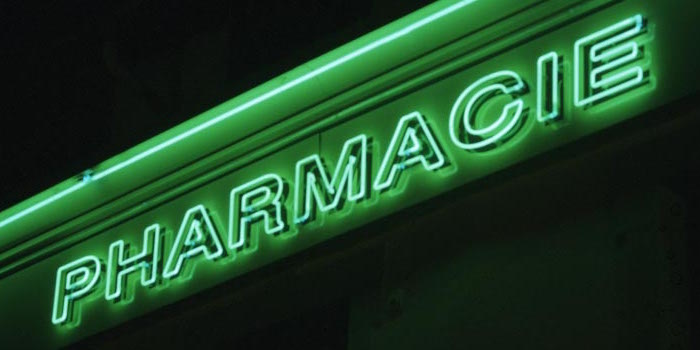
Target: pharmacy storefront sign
(607,63)
(437,117)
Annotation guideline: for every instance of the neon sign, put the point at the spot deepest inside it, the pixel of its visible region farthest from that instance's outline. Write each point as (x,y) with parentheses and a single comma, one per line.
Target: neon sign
(607,63)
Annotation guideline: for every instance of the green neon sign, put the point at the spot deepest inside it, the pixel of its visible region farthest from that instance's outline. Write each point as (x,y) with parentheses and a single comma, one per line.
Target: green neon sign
(215,206)
(262,201)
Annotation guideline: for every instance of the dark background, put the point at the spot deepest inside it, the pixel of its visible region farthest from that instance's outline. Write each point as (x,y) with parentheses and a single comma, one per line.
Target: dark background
(86,80)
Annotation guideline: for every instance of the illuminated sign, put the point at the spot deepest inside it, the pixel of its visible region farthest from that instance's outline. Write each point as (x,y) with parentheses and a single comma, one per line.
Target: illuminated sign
(607,64)
(421,107)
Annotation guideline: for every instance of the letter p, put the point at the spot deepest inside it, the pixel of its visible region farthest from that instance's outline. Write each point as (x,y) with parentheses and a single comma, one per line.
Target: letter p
(74,280)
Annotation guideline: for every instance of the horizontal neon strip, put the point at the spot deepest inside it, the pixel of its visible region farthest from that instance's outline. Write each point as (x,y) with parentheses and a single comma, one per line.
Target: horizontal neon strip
(241,108)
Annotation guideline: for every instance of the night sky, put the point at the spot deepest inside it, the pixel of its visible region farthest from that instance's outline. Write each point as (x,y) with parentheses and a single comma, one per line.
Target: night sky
(87,80)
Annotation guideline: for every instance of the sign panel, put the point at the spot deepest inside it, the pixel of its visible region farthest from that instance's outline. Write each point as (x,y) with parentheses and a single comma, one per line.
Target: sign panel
(484,96)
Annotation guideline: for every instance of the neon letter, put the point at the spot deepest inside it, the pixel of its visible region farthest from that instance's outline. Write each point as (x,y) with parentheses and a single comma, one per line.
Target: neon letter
(548,90)
(600,57)
(260,199)
(479,93)
(350,173)
(120,264)
(197,235)
(412,143)
(73,281)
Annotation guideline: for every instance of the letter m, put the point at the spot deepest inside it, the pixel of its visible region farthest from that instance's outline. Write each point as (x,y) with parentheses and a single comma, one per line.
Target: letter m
(316,191)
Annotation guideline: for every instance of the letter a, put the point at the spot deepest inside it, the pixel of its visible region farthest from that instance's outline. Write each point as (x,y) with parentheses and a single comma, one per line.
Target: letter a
(411,144)
(197,235)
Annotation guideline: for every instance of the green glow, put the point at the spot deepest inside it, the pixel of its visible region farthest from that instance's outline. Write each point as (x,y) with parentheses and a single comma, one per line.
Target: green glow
(258,200)
(599,57)
(73,281)
(306,134)
(259,205)
(245,106)
(412,143)
(476,95)
(548,99)
(42,204)
(350,175)
(120,265)
(197,235)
